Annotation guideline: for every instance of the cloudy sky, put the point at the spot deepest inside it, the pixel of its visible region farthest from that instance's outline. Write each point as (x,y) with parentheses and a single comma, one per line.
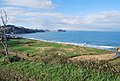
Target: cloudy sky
(85,15)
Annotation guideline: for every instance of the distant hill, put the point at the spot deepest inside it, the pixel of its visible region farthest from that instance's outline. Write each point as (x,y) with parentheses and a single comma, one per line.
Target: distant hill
(60,30)
(12,29)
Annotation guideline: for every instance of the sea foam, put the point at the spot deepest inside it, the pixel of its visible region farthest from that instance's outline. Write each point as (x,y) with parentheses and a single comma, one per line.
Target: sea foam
(78,44)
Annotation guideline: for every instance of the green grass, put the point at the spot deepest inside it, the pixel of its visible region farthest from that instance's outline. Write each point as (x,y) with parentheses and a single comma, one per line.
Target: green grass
(70,54)
(115,62)
(94,50)
(56,72)
(54,63)
(40,48)
(1,57)
(50,44)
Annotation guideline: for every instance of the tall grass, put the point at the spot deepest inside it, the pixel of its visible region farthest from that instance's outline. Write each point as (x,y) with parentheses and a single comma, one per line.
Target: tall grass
(25,70)
(52,63)
(57,68)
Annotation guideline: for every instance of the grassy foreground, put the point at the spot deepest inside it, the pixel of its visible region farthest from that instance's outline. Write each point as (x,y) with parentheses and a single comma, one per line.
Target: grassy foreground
(45,61)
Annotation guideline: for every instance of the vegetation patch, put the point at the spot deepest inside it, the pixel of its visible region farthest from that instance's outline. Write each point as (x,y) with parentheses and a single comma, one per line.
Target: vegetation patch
(55,72)
(50,62)
(40,48)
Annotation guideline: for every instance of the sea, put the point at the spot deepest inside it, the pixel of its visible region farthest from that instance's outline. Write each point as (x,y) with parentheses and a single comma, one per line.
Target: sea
(103,39)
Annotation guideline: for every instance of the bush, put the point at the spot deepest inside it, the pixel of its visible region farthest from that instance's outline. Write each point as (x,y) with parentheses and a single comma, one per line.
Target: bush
(103,66)
(1,55)
(6,74)
(14,58)
(55,59)
(2,52)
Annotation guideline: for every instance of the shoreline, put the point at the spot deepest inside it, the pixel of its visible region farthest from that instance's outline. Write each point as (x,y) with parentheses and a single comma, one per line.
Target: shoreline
(109,48)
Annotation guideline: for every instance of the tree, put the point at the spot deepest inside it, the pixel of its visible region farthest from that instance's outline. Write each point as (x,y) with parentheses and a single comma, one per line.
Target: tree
(3,37)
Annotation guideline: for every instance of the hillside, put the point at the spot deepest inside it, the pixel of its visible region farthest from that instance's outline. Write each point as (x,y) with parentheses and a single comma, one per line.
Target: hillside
(32,60)
(12,29)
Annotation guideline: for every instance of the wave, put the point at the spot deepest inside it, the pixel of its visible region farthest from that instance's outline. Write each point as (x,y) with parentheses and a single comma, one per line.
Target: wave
(80,44)
(88,45)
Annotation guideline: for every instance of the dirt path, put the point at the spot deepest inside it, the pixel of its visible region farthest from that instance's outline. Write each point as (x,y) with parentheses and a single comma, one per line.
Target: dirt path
(94,57)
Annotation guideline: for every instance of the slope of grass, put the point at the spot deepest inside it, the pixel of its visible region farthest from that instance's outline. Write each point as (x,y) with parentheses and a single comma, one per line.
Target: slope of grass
(52,72)
(54,64)
(40,48)
(116,62)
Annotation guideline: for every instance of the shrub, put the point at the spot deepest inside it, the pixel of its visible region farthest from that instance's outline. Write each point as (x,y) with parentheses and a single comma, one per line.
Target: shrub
(55,59)
(102,65)
(14,58)
(6,74)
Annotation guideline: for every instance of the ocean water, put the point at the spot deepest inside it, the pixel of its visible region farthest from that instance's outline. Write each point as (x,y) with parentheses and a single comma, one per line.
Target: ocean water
(102,40)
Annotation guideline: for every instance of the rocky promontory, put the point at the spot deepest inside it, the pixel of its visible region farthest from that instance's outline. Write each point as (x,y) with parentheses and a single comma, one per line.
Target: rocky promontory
(12,29)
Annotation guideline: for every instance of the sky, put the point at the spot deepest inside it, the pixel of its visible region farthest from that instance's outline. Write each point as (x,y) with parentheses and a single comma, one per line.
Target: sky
(83,15)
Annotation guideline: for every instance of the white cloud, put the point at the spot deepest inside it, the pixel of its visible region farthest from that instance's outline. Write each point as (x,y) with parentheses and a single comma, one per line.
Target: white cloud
(14,11)
(105,17)
(107,20)
(46,14)
(45,4)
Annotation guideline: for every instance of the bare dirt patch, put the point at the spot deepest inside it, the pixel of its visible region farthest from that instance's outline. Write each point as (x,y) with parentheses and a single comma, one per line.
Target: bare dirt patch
(95,57)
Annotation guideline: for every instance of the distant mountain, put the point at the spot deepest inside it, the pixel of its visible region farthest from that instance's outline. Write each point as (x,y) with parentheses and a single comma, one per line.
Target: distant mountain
(60,30)
(12,29)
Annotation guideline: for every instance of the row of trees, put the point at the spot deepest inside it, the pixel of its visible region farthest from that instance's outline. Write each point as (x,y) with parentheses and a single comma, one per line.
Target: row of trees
(3,38)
